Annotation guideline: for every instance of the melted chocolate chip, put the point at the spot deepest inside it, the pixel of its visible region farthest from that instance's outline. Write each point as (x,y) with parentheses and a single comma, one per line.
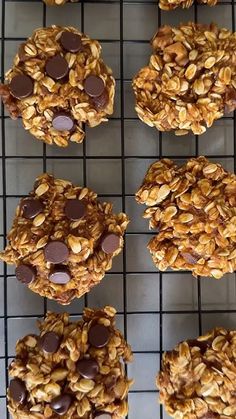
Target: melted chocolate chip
(71,41)
(56,252)
(110,243)
(21,86)
(25,273)
(88,368)
(75,209)
(190,257)
(62,121)
(202,345)
(213,364)
(60,275)
(31,207)
(57,67)
(94,86)
(98,335)
(101,102)
(61,404)
(17,390)
(50,342)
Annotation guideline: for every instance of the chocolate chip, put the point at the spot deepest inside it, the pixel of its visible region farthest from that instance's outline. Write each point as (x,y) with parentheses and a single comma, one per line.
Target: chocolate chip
(25,273)
(189,258)
(110,243)
(31,207)
(60,275)
(71,41)
(61,404)
(101,102)
(50,342)
(57,67)
(56,252)
(102,415)
(17,390)
(98,335)
(62,121)
(75,209)
(21,86)
(88,368)
(94,86)
(202,345)
(216,365)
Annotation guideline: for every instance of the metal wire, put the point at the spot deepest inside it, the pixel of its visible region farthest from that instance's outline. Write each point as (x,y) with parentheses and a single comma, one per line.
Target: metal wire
(84,158)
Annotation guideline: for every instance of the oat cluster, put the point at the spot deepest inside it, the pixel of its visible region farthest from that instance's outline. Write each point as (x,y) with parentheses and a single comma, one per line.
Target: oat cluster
(192,209)
(63,239)
(190,80)
(50,381)
(184,4)
(198,377)
(59,93)
(58,2)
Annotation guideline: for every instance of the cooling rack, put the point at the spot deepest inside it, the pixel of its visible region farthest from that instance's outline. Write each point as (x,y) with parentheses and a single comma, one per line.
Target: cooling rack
(155,309)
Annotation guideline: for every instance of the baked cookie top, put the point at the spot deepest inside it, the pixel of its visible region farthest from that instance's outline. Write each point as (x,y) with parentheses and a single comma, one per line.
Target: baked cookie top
(190,80)
(58,82)
(71,369)
(63,239)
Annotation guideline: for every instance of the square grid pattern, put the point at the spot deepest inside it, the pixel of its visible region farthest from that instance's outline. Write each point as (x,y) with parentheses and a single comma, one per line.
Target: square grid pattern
(155,310)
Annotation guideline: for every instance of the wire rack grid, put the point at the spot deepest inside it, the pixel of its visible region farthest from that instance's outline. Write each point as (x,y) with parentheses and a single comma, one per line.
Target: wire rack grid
(155,309)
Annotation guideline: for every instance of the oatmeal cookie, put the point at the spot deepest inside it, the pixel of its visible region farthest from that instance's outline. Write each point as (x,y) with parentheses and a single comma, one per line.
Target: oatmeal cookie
(190,80)
(198,378)
(192,208)
(59,81)
(185,4)
(71,369)
(63,239)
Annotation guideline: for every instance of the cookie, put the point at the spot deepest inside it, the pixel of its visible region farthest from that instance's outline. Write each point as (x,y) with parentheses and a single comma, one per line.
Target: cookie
(192,209)
(63,239)
(58,82)
(197,377)
(71,369)
(190,81)
(184,4)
